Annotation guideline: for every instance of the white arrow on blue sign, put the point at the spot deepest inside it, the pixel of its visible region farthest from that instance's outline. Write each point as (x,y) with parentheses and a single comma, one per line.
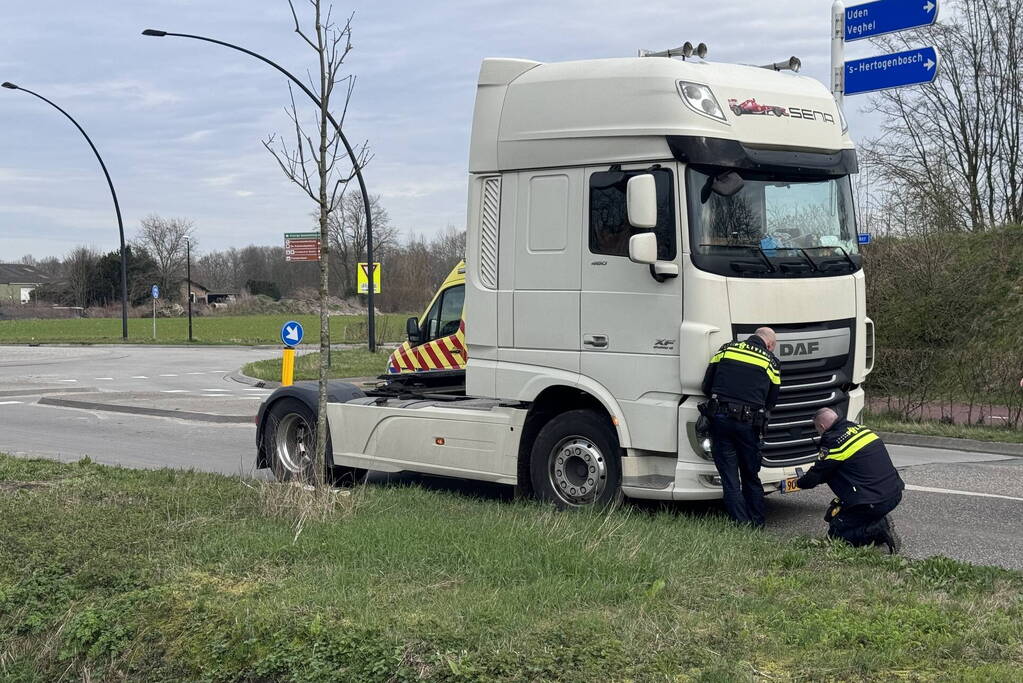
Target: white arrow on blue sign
(156,292)
(292,333)
(888,16)
(911,67)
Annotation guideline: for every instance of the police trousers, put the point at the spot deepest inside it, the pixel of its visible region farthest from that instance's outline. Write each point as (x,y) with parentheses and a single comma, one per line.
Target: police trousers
(736,450)
(861,525)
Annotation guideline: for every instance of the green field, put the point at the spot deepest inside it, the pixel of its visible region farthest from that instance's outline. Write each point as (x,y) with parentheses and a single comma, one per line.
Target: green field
(111,574)
(345,363)
(249,329)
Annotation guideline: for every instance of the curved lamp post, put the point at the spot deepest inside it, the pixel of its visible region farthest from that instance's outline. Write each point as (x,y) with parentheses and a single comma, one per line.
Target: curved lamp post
(344,141)
(117,207)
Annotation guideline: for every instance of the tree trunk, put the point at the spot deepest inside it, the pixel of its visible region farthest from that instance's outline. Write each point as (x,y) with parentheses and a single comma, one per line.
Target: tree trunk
(323,169)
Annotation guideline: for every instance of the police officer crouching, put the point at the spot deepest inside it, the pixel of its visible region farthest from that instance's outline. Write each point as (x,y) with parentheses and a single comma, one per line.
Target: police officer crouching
(855,464)
(742,381)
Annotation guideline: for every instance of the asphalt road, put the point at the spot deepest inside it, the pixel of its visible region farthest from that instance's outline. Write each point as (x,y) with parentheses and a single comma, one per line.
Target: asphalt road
(968,506)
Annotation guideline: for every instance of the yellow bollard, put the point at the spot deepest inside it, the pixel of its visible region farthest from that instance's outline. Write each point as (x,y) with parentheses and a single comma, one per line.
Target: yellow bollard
(288,367)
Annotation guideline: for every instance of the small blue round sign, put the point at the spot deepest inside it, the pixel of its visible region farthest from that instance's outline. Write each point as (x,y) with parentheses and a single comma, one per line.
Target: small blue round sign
(292,333)
(156,292)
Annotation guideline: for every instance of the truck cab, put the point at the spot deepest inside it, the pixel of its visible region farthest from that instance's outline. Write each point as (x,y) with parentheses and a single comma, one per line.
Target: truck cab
(624,222)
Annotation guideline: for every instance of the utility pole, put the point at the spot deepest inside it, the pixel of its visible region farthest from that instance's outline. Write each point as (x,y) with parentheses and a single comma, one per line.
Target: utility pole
(188,284)
(838,51)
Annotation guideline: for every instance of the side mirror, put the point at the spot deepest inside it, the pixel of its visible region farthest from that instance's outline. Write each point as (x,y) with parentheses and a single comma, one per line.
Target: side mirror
(643,247)
(412,330)
(641,201)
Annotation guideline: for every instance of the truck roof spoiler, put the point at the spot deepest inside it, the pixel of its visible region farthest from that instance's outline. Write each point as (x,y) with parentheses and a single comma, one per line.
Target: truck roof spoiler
(502,70)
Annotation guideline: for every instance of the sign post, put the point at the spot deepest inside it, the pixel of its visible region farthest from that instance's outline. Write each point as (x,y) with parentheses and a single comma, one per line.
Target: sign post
(156,295)
(878,18)
(291,335)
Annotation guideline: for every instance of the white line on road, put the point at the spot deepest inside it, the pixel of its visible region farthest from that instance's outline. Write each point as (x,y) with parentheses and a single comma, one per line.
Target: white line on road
(110,379)
(203,373)
(251,398)
(67,380)
(253,389)
(174,391)
(139,377)
(216,390)
(172,374)
(8,403)
(929,489)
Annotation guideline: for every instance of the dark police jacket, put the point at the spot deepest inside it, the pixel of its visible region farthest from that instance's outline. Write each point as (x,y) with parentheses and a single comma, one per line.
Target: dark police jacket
(744,372)
(855,464)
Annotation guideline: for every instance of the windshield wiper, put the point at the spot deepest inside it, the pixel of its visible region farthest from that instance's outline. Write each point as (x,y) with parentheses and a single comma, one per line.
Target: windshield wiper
(757,247)
(845,256)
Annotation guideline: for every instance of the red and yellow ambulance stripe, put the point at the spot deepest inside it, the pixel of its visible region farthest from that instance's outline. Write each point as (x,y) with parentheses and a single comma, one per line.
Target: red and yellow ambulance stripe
(445,353)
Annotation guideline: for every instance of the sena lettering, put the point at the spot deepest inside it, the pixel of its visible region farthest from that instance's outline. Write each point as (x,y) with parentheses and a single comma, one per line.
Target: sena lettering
(811,115)
(799,348)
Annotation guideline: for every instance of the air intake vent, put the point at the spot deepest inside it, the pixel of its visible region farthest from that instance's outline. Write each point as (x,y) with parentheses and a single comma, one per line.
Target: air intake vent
(490,221)
(869,355)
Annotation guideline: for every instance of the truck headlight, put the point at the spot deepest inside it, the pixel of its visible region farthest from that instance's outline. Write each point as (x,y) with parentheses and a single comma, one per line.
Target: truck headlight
(701,99)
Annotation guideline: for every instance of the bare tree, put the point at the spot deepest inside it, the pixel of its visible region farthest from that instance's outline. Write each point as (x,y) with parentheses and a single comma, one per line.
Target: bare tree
(80,269)
(164,239)
(348,237)
(316,165)
(954,147)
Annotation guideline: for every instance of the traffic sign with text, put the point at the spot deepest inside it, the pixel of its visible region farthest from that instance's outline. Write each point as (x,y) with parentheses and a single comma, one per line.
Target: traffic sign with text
(362,278)
(896,70)
(301,246)
(888,16)
(292,333)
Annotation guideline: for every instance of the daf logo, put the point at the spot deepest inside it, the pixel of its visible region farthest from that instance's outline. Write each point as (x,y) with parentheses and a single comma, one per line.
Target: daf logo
(790,349)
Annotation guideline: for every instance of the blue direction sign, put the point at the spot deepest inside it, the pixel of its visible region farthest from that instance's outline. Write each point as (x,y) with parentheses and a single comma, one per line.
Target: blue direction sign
(888,16)
(863,238)
(891,71)
(292,333)
(155,292)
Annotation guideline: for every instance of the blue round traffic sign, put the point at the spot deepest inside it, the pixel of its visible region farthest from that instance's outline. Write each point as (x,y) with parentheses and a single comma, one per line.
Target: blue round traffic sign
(292,333)
(155,292)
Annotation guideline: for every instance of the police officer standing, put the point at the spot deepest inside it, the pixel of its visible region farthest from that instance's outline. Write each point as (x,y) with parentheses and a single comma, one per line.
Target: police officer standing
(742,382)
(855,464)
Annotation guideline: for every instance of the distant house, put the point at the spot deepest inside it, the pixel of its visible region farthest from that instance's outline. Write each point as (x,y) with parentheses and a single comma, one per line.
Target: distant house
(197,292)
(17,282)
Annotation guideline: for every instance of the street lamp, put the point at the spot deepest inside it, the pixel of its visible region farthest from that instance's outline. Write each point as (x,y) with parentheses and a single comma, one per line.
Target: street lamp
(117,207)
(188,282)
(156,33)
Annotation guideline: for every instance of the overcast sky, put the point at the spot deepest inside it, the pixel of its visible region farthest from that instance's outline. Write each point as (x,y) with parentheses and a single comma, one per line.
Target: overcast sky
(180,123)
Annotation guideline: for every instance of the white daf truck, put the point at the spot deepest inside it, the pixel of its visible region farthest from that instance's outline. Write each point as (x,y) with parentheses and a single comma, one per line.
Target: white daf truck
(626,217)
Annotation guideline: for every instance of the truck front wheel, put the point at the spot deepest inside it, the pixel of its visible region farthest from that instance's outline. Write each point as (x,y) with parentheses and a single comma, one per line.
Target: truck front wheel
(575,461)
(291,442)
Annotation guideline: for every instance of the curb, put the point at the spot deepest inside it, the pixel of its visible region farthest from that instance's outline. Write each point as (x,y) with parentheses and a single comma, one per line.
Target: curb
(241,378)
(948,443)
(152,412)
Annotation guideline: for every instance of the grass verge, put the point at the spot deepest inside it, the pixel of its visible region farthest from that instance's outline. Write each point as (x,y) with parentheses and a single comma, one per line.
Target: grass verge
(886,423)
(111,574)
(345,363)
(245,329)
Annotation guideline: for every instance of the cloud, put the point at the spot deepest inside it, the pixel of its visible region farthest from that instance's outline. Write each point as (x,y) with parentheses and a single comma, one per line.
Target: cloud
(196,136)
(247,193)
(136,94)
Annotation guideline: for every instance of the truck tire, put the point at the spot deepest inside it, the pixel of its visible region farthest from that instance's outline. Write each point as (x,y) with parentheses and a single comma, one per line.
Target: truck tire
(291,445)
(576,461)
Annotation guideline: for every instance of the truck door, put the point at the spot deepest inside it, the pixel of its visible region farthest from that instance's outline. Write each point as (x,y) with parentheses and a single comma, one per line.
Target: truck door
(629,321)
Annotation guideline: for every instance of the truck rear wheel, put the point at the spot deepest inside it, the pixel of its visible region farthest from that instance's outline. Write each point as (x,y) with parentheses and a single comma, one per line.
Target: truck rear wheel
(291,443)
(575,461)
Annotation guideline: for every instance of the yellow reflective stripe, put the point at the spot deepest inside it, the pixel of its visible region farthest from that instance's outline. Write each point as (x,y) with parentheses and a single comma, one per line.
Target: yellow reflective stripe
(853,445)
(717,357)
(753,359)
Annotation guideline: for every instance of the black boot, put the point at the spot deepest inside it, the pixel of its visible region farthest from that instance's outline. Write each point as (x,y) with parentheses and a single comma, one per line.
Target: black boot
(886,535)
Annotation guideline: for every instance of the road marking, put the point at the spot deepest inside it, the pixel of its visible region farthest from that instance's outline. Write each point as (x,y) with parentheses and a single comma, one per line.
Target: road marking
(198,373)
(104,378)
(8,403)
(251,398)
(216,390)
(253,389)
(929,489)
(67,380)
(168,375)
(174,391)
(139,377)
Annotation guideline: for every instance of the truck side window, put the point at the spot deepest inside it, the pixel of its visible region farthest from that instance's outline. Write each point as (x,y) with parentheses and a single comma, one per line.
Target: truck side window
(609,221)
(445,316)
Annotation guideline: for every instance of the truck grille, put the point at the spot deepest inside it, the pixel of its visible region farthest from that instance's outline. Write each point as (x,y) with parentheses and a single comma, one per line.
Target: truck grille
(790,433)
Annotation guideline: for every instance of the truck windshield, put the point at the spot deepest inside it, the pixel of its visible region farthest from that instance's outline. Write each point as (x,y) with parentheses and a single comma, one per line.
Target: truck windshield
(773,226)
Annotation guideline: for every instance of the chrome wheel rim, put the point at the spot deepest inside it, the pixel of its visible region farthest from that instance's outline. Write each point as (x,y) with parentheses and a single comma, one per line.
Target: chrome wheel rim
(577,471)
(294,443)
